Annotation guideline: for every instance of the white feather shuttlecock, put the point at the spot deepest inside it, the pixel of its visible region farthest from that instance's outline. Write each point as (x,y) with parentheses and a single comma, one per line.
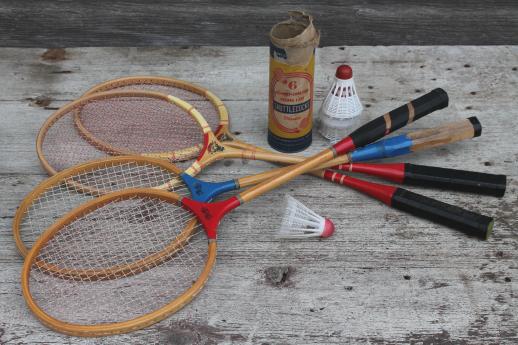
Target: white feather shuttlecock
(299,221)
(341,107)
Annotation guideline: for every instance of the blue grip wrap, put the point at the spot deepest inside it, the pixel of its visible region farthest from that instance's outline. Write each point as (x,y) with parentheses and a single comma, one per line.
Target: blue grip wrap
(391,147)
(205,191)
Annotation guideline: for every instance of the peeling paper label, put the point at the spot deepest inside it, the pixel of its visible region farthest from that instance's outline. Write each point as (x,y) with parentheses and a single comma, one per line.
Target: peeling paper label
(291,101)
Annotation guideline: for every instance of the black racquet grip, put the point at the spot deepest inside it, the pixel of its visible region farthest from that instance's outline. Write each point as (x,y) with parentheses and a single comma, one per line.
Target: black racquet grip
(471,223)
(461,180)
(400,117)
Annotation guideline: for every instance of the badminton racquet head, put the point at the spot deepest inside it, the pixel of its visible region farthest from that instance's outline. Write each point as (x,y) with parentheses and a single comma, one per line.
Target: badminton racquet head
(138,120)
(176,129)
(208,104)
(116,264)
(61,193)
(202,99)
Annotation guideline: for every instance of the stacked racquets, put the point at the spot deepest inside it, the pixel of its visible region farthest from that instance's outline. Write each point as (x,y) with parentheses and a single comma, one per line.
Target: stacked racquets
(117,212)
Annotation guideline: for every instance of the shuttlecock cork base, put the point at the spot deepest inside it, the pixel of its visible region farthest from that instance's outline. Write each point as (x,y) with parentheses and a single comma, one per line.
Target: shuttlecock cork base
(301,222)
(341,107)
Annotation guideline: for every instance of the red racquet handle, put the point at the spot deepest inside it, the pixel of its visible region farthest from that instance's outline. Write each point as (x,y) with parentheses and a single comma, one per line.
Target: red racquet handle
(471,223)
(436,177)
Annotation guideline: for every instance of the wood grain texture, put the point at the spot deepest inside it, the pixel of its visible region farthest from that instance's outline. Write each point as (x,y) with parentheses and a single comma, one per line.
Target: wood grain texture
(383,278)
(50,23)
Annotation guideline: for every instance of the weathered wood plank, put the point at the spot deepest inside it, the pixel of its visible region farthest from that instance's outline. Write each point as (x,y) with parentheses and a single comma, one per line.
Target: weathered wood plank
(390,72)
(383,278)
(247,23)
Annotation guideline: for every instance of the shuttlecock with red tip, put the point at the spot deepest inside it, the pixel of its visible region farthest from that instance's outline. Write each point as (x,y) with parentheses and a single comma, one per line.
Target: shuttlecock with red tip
(341,107)
(299,221)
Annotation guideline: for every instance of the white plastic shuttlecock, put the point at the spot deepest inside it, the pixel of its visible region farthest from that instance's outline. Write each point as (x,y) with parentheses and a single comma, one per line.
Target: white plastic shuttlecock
(301,222)
(341,107)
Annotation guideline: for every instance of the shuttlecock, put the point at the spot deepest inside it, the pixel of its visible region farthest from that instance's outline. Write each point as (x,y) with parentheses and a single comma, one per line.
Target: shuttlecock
(299,221)
(341,107)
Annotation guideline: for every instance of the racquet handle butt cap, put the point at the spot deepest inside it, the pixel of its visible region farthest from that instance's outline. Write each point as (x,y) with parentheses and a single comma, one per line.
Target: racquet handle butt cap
(329,228)
(477,126)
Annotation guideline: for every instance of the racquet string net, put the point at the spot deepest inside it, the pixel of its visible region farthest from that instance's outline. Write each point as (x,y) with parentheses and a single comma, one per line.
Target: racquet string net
(140,125)
(200,102)
(62,146)
(114,125)
(70,192)
(145,253)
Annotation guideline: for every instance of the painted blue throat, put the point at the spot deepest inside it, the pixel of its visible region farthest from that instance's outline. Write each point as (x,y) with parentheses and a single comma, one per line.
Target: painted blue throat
(205,191)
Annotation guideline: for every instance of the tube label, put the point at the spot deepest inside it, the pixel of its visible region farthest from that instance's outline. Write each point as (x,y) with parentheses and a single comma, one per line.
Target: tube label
(291,99)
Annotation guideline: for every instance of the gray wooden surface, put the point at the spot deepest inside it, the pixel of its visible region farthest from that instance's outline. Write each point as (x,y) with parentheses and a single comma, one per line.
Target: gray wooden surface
(51,23)
(383,278)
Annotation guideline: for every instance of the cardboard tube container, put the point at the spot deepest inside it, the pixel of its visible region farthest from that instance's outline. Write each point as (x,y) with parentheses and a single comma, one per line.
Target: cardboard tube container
(292,65)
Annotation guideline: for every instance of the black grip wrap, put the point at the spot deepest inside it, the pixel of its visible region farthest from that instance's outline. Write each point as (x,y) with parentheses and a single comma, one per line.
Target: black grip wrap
(370,132)
(471,223)
(397,118)
(432,101)
(451,179)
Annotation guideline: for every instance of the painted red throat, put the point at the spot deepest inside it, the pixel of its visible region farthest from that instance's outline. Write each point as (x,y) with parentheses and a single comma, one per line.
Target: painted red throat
(209,214)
